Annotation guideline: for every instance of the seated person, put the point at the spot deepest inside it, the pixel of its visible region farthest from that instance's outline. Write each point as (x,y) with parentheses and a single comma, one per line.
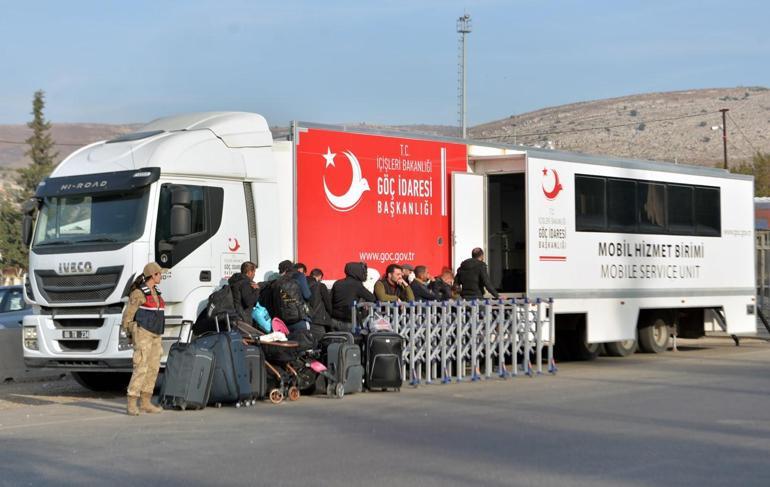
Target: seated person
(420,284)
(393,287)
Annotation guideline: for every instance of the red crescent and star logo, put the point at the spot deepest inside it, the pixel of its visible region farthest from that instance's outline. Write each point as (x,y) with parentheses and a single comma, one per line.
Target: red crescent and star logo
(557,187)
(233,245)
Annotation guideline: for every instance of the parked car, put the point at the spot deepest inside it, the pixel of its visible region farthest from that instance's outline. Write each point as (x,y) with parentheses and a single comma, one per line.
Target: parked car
(13,308)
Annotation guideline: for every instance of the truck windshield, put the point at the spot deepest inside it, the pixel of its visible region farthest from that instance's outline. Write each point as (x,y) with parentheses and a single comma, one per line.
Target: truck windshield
(81,219)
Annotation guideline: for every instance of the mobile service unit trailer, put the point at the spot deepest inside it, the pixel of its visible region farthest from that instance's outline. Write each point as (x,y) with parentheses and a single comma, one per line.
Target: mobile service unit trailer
(201,193)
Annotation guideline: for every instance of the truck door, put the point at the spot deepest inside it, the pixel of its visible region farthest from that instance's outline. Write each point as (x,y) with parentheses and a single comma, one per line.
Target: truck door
(186,249)
(468,215)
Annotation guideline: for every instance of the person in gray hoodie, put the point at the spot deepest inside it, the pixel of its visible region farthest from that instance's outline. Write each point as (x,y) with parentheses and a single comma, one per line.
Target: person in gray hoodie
(348,290)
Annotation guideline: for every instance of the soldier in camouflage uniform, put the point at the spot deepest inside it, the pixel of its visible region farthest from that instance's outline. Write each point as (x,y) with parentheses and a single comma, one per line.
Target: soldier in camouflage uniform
(143,321)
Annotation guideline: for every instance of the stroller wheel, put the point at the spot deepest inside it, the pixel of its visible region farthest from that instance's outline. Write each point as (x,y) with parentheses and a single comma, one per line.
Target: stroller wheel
(293,393)
(340,390)
(276,396)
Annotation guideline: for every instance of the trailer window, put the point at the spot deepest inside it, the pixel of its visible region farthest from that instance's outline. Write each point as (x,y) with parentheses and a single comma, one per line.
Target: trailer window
(708,218)
(590,210)
(680,213)
(621,205)
(651,201)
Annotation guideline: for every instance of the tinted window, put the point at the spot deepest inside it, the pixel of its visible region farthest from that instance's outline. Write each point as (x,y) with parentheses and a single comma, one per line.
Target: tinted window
(13,300)
(621,205)
(197,210)
(651,202)
(680,215)
(589,203)
(708,218)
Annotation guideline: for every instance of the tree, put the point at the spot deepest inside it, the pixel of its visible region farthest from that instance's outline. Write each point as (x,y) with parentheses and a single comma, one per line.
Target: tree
(40,150)
(759,167)
(13,252)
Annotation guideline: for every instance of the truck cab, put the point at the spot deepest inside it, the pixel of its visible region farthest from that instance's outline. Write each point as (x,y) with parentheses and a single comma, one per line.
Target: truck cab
(187,192)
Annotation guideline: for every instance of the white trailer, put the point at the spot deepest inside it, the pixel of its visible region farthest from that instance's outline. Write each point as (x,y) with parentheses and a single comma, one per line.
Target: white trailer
(628,249)
(201,193)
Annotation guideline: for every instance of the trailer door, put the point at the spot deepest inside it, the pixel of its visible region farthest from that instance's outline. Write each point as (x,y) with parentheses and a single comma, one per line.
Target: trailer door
(468,215)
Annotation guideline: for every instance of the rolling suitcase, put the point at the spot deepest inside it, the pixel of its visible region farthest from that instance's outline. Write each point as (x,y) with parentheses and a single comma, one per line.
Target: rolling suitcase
(345,373)
(255,367)
(187,379)
(230,383)
(384,351)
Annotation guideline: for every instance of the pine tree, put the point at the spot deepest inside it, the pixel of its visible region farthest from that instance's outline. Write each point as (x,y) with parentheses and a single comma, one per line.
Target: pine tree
(13,253)
(40,150)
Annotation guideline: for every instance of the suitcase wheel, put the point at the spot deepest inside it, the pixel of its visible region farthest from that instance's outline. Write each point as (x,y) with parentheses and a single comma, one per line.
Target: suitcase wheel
(218,405)
(183,406)
(276,396)
(237,404)
(340,390)
(293,393)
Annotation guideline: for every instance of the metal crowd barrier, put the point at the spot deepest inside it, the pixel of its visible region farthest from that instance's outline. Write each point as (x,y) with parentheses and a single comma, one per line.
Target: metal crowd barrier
(457,340)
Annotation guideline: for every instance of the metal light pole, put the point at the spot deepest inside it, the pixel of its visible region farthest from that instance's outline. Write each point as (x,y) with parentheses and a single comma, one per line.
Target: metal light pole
(463,28)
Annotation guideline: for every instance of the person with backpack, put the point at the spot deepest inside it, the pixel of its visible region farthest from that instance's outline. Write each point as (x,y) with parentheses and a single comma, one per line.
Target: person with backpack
(144,322)
(290,295)
(245,290)
(349,290)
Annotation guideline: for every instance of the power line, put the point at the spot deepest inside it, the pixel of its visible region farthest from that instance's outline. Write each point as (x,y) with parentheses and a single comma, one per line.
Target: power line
(69,144)
(754,149)
(588,129)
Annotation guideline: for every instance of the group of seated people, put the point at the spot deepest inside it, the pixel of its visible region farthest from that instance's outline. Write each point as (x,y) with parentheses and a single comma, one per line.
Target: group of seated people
(304,302)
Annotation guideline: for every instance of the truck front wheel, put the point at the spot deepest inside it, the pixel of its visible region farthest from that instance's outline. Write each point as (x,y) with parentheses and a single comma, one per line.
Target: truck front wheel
(620,349)
(103,381)
(655,336)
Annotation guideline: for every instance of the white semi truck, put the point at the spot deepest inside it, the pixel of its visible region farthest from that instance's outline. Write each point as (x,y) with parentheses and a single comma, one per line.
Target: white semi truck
(629,250)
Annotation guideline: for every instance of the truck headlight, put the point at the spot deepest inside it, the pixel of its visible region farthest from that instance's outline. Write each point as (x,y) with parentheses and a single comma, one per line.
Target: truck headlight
(123,343)
(30,337)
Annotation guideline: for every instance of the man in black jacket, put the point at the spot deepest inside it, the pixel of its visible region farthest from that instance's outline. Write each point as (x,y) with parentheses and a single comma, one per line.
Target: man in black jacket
(245,290)
(472,277)
(346,291)
(321,306)
(420,283)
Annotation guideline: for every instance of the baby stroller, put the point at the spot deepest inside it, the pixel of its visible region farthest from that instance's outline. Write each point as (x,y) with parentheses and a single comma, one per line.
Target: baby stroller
(290,365)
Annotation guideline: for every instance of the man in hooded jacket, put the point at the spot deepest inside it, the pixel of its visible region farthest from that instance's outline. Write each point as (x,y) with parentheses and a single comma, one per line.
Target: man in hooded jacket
(348,290)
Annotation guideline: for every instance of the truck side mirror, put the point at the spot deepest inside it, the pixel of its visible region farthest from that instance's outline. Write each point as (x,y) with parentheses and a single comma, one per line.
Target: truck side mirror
(26,229)
(181,216)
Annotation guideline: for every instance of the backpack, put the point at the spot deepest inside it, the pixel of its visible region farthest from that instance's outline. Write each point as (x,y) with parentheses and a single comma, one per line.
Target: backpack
(289,304)
(221,302)
(260,315)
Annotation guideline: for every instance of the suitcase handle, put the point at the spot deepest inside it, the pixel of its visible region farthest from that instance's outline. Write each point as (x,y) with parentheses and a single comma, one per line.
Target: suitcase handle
(227,319)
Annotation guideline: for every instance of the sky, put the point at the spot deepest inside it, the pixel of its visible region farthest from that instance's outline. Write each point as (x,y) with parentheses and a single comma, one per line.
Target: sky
(383,62)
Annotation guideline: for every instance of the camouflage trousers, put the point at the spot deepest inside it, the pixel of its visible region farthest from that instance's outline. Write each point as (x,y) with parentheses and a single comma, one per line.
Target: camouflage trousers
(147,352)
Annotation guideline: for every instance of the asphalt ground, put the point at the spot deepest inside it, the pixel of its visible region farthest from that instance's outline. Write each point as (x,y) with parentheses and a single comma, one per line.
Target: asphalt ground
(699,416)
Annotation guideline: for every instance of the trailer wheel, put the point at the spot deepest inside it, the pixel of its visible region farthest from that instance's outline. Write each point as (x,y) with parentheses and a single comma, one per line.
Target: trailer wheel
(620,349)
(655,337)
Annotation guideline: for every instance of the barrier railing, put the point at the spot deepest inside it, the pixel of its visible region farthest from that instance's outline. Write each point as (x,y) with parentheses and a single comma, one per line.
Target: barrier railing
(459,340)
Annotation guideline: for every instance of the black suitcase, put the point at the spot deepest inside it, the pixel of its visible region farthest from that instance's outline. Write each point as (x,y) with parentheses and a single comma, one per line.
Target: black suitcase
(384,352)
(255,365)
(345,373)
(230,383)
(187,379)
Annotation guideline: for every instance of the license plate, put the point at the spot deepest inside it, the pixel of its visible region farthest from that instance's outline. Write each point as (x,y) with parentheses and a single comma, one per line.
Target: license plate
(75,334)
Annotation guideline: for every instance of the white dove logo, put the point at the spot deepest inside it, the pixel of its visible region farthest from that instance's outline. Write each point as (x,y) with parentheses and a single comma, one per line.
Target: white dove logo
(358,184)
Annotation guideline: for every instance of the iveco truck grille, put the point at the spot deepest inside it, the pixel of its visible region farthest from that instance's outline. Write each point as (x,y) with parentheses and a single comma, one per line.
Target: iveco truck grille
(78,288)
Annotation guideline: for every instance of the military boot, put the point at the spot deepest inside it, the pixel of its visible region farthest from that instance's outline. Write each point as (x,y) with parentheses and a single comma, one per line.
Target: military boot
(131,408)
(147,405)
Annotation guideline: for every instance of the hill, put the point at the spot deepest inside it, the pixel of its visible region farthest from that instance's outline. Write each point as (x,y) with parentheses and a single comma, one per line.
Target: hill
(681,126)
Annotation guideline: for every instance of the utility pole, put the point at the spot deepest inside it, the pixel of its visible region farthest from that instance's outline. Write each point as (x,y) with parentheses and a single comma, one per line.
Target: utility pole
(724,132)
(463,28)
